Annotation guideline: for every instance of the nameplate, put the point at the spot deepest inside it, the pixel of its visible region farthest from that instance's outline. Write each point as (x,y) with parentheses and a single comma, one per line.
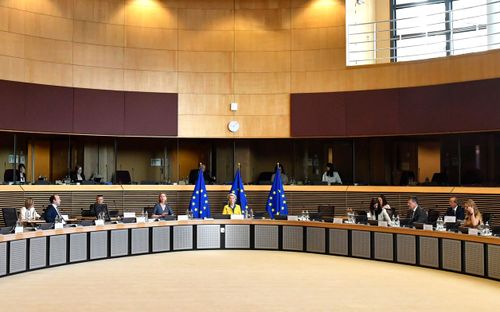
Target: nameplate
(129,214)
(65,217)
(182,217)
(140,220)
(382,223)
(58,226)
(292,218)
(428,227)
(237,217)
(450,219)
(99,222)
(473,231)
(18,229)
(338,220)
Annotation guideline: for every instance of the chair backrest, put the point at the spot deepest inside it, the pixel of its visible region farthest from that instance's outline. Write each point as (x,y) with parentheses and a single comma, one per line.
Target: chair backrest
(6,230)
(432,216)
(149,210)
(487,216)
(9,216)
(122,177)
(46,226)
(326,210)
(8,175)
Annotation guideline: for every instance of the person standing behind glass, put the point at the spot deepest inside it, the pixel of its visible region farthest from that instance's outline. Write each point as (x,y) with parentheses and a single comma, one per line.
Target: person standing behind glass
(331,175)
(162,208)
(473,217)
(231,207)
(28,212)
(284,177)
(21,173)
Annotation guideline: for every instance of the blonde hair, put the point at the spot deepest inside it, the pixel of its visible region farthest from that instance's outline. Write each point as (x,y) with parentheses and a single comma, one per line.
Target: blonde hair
(477,214)
(471,203)
(232,194)
(29,202)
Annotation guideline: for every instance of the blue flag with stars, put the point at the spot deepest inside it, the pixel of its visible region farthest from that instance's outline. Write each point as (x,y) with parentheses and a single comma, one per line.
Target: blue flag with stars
(199,204)
(276,201)
(238,190)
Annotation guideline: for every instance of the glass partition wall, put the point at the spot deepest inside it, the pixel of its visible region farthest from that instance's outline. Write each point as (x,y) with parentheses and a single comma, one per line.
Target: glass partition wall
(459,159)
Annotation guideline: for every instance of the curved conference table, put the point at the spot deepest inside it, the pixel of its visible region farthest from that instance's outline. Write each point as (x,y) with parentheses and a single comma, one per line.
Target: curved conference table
(461,253)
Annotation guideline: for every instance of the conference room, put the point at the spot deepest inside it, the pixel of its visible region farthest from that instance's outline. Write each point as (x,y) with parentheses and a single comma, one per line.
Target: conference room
(249,154)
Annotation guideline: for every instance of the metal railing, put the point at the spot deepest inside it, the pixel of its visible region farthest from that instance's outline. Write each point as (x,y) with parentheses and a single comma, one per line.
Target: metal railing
(470,29)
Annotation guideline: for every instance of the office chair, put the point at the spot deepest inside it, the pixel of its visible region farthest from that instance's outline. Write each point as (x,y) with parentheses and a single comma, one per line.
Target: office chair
(9,216)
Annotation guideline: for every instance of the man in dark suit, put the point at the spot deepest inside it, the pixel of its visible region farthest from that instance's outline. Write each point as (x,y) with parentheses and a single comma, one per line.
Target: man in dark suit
(52,210)
(416,214)
(455,210)
(193,175)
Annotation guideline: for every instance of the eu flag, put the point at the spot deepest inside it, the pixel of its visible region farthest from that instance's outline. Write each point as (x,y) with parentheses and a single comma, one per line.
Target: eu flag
(199,200)
(237,189)
(276,201)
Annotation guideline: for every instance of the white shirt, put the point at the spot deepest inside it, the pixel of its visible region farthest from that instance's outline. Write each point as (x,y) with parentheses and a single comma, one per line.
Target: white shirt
(384,216)
(335,179)
(28,214)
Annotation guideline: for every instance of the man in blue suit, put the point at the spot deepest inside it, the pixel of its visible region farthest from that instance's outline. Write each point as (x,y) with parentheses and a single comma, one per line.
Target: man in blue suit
(455,210)
(52,210)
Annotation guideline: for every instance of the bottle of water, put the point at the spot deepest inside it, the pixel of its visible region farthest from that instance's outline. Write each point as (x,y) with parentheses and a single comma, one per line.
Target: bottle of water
(393,221)
(251,213)
(307,215)
(487,229)
(396,221)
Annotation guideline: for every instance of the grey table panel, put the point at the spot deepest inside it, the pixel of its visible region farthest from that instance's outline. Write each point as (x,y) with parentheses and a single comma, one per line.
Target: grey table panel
(57,249)
(316,240)
(98,245)
(183,237)
(474,258)
(384,246)
(361,244)
(429,251)
(451,253)
(38,252)
(237,236)
(339,242)
(77,247)
(3,259)
(406,248)
(161,238)
(119,243)
(208,236)
(140,241)
(293,238)
(494,261)
(18,256)
(266,237)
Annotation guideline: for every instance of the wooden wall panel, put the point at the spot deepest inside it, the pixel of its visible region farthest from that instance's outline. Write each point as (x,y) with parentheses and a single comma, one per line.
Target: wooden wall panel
(205,62)
(47,26)
(210,52)
(149,59)
(97,55)
(150,81)
(103,11)
(98,33)
(262,61)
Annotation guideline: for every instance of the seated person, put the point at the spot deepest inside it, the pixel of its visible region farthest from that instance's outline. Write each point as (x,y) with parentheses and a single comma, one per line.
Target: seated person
(28,212)
(331,175)
(52,211)
(416,214)
(77,176)
(284,177)
(473,217)
(162,209)
(377,212)
(382,201)
(455,210)
(21,173)
(231,207)
(99,208)
(193,175)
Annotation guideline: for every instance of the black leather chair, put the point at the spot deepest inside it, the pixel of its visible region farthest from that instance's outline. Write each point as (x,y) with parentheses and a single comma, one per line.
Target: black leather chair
(149,210)
(326,212)
(9,216)
(6,230)
(432,216)
(8,175)
(265,178)
(122,177)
